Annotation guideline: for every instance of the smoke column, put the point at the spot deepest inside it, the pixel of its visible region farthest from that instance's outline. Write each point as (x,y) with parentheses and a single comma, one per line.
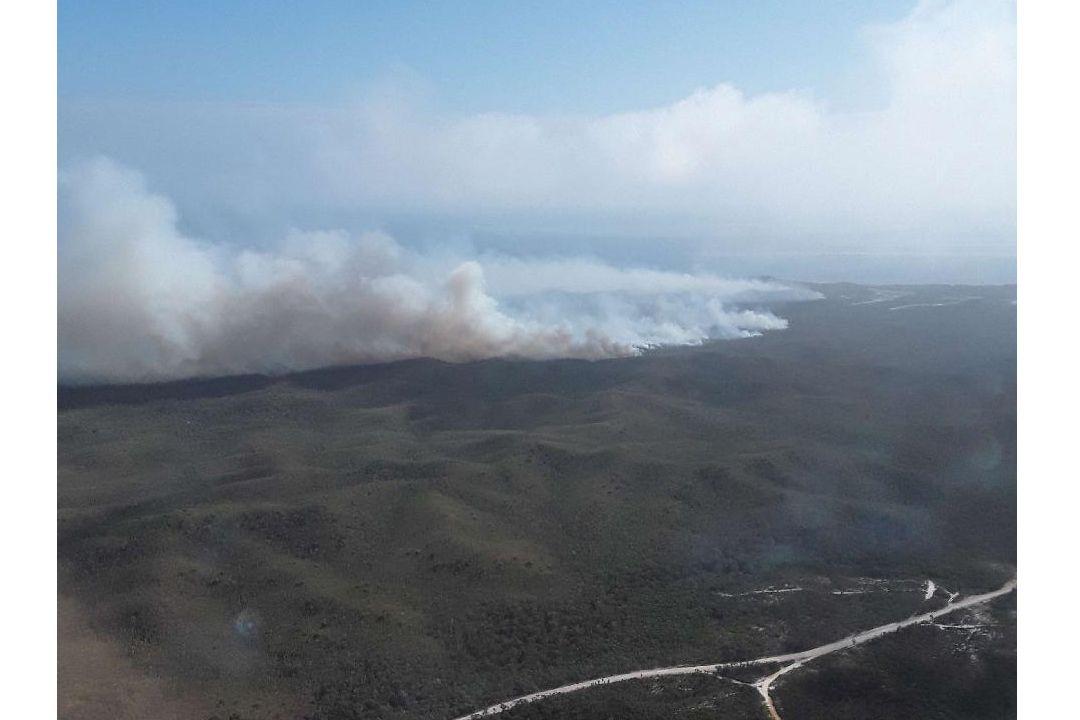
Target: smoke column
(140,301)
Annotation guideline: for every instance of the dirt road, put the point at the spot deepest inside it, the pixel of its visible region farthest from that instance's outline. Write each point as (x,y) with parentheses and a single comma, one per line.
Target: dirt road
(789,662)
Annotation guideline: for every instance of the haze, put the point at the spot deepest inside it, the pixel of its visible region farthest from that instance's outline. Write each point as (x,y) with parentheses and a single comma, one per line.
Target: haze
(900,168)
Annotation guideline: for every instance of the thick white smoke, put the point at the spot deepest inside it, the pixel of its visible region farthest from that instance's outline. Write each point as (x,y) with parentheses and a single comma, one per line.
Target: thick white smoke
(139,300)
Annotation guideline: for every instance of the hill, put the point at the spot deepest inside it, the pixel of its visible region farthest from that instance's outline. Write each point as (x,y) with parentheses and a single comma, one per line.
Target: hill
(419,539)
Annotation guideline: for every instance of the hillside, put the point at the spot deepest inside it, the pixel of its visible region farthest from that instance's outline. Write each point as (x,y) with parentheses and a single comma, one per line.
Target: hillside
(420,539)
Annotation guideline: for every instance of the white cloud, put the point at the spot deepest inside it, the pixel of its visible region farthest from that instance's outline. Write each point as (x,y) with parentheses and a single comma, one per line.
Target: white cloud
(930,167)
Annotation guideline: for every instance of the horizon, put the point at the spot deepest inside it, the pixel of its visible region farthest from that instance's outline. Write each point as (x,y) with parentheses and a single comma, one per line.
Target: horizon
(652,359)
(405,168)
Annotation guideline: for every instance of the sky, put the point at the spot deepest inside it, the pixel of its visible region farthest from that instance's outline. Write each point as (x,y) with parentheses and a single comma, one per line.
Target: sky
(374,173)
(556,57)
(675,133)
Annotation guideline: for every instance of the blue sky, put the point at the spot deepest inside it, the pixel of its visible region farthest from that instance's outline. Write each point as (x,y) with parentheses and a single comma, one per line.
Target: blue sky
(533,57)
(674,134)
(263,186)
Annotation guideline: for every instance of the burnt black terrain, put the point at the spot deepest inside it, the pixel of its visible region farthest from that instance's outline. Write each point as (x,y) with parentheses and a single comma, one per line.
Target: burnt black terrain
(421,539)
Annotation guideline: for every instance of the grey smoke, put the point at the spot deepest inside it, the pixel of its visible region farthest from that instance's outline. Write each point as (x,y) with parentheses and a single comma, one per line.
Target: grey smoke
(140,300)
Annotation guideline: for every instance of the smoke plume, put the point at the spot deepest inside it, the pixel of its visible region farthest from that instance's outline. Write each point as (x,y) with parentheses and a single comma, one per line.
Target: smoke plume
(140,300)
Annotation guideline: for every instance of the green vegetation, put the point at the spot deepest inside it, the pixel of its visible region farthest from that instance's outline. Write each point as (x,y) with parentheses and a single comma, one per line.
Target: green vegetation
(684,698)
(420,539)
(926,672)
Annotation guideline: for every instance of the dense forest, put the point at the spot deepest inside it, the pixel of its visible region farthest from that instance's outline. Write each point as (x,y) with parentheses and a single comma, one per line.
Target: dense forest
(421,539)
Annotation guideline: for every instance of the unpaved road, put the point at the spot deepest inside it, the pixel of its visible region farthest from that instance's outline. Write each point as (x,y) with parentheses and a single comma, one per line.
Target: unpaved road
(788,662)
